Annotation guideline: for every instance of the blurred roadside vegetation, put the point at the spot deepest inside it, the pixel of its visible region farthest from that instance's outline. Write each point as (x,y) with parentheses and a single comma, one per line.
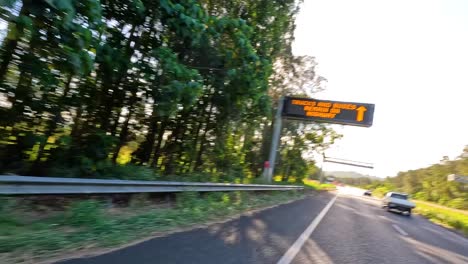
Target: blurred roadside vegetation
(445,216)
(316,185)
(142,89)
(30,231)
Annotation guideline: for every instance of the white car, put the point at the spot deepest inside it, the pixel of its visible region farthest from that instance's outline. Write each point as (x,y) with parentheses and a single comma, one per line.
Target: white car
(397,201)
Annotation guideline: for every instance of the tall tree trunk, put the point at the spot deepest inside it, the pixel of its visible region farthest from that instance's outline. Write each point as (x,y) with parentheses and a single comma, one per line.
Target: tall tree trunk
(75,132)
(22,96)
(10,44)
(110,101)
(124,132)
(157,148)
(52,125)
(144,151)
(172,147)
(115,124)
(247,145)
(9,49)
(197,136)
(199,160)
(248,135)
(195,143)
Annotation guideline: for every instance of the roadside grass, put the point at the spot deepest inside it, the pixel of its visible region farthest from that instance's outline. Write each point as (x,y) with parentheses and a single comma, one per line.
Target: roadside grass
(313,184)
(444,216)
(89,224)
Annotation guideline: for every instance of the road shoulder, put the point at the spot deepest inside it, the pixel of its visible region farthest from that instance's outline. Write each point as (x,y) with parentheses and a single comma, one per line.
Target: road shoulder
(89,253)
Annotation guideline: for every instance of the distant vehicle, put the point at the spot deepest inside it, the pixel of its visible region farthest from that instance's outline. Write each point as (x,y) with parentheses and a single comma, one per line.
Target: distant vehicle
(368,193)
(397,201)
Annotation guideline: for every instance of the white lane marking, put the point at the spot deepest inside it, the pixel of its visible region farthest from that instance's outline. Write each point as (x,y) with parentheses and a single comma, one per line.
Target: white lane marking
(294,249)
(401,231)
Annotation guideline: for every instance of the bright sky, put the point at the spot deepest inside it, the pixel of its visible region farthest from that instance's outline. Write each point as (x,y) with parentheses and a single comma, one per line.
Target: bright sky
(409,58)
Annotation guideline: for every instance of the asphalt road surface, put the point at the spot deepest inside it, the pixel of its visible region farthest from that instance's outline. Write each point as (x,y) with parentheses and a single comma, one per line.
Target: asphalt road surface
(325,228)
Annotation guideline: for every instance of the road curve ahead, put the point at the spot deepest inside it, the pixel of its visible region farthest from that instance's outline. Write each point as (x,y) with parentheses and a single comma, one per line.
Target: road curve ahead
(317,229)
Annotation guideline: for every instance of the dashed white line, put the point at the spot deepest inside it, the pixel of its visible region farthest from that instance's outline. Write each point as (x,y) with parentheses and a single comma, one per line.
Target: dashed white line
(294,249)
(401,231)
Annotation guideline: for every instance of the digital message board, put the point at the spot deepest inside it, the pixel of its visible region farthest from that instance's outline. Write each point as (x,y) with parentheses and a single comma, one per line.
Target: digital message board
(336,112)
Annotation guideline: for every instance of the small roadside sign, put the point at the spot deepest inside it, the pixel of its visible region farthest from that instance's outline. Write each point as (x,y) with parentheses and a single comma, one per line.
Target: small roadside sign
(457,178)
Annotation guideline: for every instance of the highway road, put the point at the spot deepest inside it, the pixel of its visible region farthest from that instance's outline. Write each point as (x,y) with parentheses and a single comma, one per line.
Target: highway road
(342,227)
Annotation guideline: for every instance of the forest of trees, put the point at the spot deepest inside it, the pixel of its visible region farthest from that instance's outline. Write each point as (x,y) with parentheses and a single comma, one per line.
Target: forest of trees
(428,184)
(137,88)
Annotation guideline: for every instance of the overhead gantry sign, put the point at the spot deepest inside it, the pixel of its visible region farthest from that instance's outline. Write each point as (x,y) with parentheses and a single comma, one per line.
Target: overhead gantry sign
(308,109)
(346,113)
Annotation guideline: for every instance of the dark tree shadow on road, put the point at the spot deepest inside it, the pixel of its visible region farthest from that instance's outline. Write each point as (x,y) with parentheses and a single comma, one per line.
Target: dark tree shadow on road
(259,237)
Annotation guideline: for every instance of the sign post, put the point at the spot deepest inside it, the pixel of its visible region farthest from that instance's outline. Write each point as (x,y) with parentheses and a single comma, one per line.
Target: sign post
(322,174)
(326,111)
(275,140)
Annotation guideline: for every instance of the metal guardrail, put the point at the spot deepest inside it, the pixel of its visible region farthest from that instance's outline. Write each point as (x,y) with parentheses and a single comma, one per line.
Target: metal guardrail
(10,185)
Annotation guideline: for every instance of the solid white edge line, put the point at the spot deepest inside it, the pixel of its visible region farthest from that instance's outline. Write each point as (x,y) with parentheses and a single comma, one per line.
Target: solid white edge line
(294,249)
(401,231)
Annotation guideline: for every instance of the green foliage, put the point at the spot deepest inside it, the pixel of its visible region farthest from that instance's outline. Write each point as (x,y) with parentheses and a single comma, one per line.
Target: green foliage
(104,170)
(190,84)
(8,3)
(6,219)
(84,213)
(298,140)
(139,200)
(126,172)
(6,204)
(445,216)
(458,203)
(187,199)
(381,191)
(87,221)
(316,185)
